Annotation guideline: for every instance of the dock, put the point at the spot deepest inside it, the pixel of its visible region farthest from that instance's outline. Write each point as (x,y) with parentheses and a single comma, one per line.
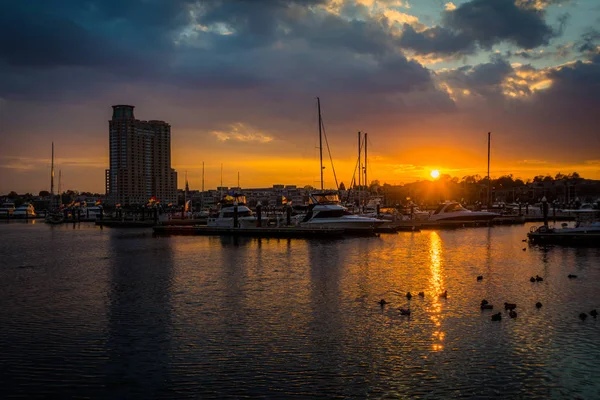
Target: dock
(267,232)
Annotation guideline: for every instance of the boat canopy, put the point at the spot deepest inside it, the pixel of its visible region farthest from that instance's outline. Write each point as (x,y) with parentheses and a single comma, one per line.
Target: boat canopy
(449,207)
(324,198)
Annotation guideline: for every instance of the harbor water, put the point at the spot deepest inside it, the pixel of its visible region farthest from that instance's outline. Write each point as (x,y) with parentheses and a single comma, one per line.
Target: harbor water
(121,314)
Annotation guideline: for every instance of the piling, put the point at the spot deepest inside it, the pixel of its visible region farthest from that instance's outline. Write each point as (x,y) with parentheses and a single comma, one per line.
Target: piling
(258,215)
(545,210)
(288,215)
(235,215)
(378,209)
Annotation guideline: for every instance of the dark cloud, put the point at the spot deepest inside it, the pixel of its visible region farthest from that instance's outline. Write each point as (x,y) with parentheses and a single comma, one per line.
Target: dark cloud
(483,23)
(482,79)
(437,40)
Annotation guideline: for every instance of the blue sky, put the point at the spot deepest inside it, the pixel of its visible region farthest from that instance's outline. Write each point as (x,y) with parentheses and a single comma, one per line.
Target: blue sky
(237,80)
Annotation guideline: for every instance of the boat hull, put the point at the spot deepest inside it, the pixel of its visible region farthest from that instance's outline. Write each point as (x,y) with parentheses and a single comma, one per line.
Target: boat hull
(591,239)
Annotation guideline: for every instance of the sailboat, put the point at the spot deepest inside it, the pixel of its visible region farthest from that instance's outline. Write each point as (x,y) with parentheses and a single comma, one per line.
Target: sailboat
(53,216)
(326,211)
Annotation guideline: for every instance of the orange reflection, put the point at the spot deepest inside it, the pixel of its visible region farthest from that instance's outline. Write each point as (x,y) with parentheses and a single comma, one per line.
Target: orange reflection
(436,286)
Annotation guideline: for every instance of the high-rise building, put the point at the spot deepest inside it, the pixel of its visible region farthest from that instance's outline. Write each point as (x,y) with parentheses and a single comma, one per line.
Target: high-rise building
(140,160)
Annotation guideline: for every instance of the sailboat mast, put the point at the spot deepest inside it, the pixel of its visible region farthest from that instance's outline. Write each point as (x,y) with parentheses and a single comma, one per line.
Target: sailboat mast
(52,175)
(221,180)
(489,193)
(366,181)
(359,166)
(320,140)
(59,185)
(202,196)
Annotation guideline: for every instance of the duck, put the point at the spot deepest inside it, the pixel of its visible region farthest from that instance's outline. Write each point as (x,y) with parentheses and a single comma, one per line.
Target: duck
(594,313)
(422,294)
(538,278)
(444,294)
(532,279)
(408,295)
(382,302)
(404,311)
(512,314)
(538,305)
(510,306)
(571,276)
(524,240)
(484,302)
(480,278)
(497,317)
(582,316)
(524,248)
(487,306)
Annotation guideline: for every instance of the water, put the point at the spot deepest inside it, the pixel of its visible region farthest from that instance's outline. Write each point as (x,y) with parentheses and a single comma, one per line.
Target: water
(121,314)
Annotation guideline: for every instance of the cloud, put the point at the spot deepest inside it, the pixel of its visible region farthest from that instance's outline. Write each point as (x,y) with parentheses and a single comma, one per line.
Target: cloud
(450,6)
(482,23)
(242,133)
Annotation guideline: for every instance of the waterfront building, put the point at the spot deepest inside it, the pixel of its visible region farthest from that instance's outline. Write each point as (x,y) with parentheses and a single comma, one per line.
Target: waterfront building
(140,160)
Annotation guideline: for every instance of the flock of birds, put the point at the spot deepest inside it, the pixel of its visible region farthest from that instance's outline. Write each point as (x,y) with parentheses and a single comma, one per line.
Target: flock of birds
(485,305)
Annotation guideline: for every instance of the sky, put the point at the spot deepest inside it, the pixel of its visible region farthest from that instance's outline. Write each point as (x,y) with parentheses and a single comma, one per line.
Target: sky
(238,81)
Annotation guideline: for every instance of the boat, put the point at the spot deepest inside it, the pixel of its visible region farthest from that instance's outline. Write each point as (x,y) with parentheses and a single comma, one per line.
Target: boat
(586,231)
(7,209)
(452,211)
(226,217)
(325,211)
(55,219)
(24,211)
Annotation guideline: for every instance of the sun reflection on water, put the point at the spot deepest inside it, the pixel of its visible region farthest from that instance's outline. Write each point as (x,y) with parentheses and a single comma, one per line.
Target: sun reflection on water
(436,287)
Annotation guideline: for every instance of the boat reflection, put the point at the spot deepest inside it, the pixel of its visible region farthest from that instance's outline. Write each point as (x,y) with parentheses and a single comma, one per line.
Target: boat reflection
(436,287)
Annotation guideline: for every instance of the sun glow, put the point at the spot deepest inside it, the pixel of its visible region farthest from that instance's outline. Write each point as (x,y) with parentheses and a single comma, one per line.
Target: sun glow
(435,174)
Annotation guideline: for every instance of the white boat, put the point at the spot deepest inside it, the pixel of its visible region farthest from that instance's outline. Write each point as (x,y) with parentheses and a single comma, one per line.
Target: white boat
(327,212)
(453,212)
(7,208)
(586,231)
(24,211)
(226,216)
(92,212)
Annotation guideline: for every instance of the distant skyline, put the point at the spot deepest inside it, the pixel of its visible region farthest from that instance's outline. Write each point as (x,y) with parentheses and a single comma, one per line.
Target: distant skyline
(238,80)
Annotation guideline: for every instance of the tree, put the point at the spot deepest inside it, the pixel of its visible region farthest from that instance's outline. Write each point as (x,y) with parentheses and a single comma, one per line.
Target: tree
(342,186)
(308,188)
(13,195)
(44,193)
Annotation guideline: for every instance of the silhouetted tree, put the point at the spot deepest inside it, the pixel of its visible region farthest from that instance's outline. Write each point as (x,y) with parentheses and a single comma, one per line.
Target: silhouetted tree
(342,186)
(44,193)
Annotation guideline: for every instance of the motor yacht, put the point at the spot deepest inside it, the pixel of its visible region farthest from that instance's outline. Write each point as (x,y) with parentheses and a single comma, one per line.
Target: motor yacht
(225,217)
(325,211)
(453,212)
(24,211)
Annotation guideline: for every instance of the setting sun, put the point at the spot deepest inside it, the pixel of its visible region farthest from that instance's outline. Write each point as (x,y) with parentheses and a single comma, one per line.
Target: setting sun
(435,174)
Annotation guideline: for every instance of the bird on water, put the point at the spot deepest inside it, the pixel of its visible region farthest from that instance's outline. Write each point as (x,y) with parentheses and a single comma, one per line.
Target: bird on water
(497,317)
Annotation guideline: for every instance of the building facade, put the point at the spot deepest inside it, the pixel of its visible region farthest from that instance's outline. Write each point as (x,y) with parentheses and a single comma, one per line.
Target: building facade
(140,160)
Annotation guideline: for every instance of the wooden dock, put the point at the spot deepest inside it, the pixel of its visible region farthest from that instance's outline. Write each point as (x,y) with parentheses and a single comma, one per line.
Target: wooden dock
(281,232)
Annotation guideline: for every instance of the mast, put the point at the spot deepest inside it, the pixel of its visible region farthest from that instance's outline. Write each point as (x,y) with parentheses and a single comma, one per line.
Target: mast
(202,195)
(489,193)
(359,166)
(238,185)
(221,180)
(52,175)
(320,140)
(59,185)
(366,181)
